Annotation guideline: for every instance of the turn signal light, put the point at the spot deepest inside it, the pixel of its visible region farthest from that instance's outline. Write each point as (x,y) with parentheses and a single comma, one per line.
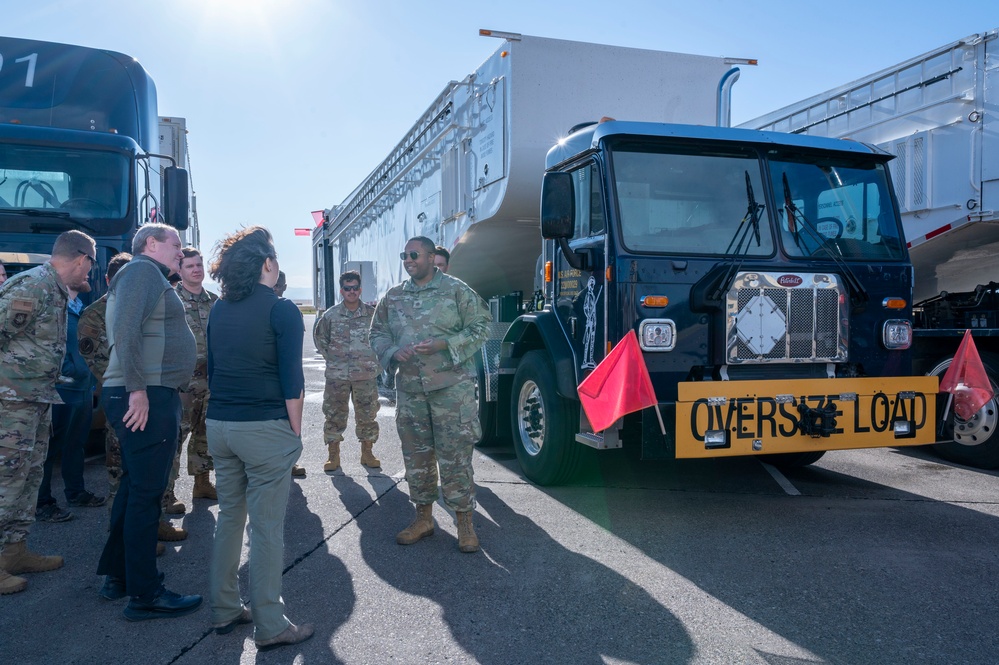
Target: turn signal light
(894,303)
(548,272)
(655,301)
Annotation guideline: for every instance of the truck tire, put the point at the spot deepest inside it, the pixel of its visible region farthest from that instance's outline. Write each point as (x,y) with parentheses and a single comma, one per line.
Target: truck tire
(544,424)
(974,442)
(793,460)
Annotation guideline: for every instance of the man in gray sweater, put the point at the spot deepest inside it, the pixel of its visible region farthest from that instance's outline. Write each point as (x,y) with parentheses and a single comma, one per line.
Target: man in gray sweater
(152,356)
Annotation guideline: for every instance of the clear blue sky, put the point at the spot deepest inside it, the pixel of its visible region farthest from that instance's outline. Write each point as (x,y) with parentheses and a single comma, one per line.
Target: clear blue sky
(291,103)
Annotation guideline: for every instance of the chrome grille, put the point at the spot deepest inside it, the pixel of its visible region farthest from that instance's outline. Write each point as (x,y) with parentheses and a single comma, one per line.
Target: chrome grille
(785,317)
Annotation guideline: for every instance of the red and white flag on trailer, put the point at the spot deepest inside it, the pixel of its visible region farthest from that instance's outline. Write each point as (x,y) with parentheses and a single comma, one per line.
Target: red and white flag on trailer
(966,380)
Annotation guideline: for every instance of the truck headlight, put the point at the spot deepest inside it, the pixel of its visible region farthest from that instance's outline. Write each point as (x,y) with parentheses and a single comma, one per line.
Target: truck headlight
(897,334)
(657,335)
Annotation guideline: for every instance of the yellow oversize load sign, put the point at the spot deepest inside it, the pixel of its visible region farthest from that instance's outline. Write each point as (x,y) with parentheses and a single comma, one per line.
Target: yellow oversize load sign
(764,417)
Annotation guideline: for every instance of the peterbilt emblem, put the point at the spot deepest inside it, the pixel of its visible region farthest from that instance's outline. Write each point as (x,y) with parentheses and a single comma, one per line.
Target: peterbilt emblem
(789,280)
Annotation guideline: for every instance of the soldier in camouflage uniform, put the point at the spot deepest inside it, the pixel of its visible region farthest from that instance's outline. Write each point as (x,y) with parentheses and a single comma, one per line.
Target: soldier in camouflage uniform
(32,346)
(198,303)
(427,330)
(341,335)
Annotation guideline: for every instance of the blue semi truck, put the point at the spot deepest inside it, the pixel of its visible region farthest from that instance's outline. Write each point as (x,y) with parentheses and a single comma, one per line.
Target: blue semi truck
(79,137)
(769,327)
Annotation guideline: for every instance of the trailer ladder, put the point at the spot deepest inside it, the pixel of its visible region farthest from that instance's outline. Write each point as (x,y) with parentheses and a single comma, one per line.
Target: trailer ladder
(428,131)
(911,86)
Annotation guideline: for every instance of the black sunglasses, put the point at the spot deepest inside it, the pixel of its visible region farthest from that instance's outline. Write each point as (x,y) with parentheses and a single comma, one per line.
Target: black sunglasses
(93,261)
(412,255)
(351,288)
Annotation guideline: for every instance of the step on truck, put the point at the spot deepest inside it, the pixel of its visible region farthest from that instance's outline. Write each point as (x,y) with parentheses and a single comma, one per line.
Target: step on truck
(936,114)
(79,149)
(764,331)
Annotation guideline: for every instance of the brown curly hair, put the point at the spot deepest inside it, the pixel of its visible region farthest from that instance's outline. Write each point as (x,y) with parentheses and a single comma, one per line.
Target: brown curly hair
(238,259)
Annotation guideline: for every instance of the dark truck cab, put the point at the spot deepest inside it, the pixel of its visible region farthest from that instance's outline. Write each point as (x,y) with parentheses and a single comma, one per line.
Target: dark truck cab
(767,279)
(78,134)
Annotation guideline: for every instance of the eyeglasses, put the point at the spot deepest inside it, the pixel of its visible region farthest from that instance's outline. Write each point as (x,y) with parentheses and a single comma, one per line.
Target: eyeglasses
(93,261)
(412,255)
(350,288)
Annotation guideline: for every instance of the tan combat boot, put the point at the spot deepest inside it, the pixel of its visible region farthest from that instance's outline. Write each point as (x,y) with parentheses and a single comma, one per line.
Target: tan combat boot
(421,527)
(467,540)
(203,488)
(17,558)
(11,584)
(171,505)
(367,457)
(170,533)
(333,463)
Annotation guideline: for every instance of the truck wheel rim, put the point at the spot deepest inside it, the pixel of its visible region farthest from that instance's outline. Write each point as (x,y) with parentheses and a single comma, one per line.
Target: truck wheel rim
(531,418)
(979,428)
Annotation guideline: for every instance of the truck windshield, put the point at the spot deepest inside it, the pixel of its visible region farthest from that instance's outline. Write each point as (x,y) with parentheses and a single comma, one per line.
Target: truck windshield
(834,205)
(87,185)
(687,201)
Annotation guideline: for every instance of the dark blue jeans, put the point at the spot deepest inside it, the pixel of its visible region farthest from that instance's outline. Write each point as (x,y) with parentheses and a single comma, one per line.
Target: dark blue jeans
(70,429)
(146,458)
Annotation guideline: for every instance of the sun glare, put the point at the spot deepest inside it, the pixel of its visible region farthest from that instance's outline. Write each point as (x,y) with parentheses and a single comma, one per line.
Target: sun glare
(239,14)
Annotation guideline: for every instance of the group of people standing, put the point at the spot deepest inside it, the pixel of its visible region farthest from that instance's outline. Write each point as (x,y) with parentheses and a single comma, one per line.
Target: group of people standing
(241,383)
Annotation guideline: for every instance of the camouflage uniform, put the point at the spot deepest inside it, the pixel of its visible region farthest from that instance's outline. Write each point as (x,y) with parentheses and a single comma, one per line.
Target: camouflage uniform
(351,371)
(195,398)
(93,340)
(436,412)
(32,346)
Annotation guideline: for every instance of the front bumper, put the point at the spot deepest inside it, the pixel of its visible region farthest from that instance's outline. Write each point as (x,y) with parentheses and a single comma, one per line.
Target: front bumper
(731,418)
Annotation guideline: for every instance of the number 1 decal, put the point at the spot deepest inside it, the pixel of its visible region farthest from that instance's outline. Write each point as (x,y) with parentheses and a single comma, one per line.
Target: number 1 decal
(29,78)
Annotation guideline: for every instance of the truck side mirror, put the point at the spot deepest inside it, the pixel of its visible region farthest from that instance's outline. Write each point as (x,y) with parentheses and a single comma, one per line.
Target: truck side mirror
(557,206)
(175,201)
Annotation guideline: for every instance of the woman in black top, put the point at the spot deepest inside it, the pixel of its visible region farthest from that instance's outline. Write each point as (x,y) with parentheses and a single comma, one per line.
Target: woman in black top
(254,425)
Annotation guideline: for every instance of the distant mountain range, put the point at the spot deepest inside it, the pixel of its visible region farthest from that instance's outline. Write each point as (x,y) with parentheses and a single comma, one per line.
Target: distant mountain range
(299,295)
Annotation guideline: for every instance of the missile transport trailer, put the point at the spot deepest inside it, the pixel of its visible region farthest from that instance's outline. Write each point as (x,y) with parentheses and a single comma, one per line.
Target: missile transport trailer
(937,114)
(468,172)
(764,331)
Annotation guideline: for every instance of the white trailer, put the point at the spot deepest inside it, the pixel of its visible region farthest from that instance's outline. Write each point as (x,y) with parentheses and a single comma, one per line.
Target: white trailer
(173,142)
(468,172)
(936,113)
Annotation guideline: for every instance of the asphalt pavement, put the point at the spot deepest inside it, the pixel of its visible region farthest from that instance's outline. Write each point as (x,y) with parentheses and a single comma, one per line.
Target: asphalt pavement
(885,556)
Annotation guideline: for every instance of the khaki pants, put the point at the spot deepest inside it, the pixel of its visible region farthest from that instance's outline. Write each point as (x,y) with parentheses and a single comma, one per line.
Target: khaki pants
(253,463)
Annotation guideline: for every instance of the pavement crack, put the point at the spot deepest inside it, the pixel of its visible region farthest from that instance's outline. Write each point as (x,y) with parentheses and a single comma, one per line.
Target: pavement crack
(298,560)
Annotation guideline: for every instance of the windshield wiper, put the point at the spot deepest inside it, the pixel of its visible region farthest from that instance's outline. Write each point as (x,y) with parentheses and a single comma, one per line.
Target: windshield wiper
(858,294)
(36,212)
(738,246)
(62,221)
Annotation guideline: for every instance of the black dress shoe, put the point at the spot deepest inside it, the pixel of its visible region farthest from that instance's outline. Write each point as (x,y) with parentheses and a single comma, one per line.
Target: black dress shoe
(114,588)
(165,605)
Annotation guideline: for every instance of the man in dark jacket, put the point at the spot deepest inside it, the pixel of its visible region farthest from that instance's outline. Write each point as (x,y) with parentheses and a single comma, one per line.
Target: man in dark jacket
(152,357)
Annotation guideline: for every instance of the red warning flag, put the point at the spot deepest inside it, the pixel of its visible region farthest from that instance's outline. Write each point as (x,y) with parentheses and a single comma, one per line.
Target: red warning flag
(619,385)
(303,232)
(967,380)
(317,217)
